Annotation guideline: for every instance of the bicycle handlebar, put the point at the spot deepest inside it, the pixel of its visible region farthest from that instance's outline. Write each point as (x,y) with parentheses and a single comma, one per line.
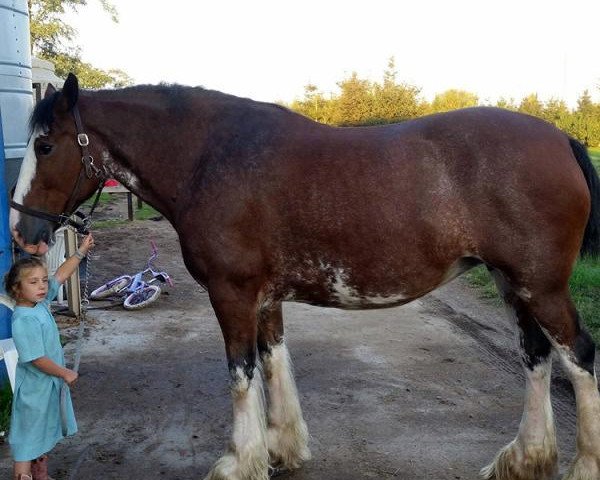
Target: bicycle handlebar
(154,256)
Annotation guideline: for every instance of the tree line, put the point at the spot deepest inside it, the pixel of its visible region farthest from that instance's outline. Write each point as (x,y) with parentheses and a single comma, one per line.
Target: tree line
(363,102)
(360,101)
(52,38)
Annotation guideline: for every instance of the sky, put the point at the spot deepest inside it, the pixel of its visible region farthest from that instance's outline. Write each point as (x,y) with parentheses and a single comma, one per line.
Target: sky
(270,50)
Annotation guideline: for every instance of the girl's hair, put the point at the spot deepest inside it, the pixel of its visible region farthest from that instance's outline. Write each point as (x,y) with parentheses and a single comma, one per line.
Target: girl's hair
(15,274)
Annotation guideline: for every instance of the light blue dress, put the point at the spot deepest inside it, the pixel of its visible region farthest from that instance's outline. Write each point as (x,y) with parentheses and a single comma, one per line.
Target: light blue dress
(36,424)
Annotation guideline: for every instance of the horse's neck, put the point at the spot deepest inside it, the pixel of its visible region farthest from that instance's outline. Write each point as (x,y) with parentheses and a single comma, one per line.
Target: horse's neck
(134,154)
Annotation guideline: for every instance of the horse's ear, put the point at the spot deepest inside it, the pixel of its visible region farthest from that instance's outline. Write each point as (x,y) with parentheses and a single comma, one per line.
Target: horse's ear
(70,92)
(50,90)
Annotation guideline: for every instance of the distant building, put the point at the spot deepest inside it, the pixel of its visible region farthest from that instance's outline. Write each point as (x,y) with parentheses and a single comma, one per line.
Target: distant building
(42,75)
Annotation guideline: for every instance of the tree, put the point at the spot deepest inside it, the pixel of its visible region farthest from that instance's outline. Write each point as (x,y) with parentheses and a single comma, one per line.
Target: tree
(314,105)
(89,76)
(586,121)
(585,105)
(394,102)
(355,103)
(52,39)
(362,102)
(507,103)
(556,112)
(531,105)
(453,99)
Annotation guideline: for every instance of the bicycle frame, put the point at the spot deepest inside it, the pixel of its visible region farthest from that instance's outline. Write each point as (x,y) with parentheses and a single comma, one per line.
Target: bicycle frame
(138,281)
(129,286)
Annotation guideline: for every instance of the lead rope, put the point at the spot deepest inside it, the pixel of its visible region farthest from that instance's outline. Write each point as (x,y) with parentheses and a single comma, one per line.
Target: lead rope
(83,307)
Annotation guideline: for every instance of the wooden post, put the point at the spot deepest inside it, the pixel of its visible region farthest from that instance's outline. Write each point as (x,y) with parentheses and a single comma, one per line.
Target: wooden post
(73,290)
(130,206)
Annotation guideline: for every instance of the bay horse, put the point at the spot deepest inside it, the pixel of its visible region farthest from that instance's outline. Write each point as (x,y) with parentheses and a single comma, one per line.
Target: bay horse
(270,207)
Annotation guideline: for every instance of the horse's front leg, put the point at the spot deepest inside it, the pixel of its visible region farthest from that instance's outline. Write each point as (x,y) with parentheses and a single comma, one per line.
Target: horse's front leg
(247,457)
(287,434)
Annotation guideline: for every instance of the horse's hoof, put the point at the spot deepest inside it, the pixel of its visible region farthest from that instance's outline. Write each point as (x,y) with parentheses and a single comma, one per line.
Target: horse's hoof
(514,462)
(584,467)
(229,467)
(278,471)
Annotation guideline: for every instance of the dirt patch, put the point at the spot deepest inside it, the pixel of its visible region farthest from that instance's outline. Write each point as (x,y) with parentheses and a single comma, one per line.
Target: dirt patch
(430,390)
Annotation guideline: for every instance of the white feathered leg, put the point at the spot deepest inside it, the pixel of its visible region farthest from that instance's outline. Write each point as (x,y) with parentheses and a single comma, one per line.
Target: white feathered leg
(586,465)
(532,455)
(287,433)
(248,457)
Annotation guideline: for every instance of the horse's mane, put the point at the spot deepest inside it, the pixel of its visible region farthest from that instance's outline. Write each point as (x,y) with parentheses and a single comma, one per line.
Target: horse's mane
(177,95)
(42,116)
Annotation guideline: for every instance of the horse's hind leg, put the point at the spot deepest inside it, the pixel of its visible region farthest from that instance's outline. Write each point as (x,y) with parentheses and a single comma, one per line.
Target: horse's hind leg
(247,458)
(558,317)
(287,434)
(555,313)
(532,455)
(560,321)
(577,353)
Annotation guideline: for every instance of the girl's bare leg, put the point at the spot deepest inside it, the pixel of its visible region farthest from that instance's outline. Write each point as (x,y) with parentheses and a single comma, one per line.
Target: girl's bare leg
(22,468)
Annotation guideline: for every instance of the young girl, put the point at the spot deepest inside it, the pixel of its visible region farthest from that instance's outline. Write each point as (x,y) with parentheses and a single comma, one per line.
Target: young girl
(38,422)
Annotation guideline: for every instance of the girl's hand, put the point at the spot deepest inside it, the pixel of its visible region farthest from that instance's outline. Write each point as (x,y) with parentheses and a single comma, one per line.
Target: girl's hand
(86,244)
(70,376)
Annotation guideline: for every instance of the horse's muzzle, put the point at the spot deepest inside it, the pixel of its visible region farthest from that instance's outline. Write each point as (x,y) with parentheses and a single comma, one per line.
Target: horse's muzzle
(34,235)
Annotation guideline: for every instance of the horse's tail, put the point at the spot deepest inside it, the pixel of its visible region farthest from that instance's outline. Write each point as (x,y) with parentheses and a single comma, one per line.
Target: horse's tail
(591,238)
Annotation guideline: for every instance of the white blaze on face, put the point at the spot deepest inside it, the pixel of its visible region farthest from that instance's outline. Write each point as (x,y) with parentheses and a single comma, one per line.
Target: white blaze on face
(26,175)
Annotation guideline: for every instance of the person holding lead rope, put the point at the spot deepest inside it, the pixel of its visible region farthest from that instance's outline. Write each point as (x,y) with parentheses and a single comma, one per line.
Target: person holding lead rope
(37,422)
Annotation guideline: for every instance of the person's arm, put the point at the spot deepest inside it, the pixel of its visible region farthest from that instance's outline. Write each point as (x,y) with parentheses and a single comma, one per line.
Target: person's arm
(51,368)
(66,269)
(70,264)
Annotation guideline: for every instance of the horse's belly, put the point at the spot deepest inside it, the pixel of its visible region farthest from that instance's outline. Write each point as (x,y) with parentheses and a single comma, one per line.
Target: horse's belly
(337,290)
(348,300)
(327,286)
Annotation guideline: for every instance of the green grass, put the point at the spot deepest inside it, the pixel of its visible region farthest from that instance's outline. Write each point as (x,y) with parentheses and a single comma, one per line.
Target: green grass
(480,278)
(5,406)
(104,198)
(584,284)
(110,223)
(595,156)
(144,213)
(585,289)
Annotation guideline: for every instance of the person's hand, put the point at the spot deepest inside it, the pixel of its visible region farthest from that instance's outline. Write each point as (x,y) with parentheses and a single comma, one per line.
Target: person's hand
(86,244)
(70,376)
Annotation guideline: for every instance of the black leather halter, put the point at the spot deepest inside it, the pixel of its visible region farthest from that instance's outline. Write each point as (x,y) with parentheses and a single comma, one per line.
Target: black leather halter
(89,170)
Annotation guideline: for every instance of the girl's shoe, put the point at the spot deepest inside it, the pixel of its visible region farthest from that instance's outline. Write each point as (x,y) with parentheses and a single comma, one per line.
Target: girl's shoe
(23,476)
(39,468)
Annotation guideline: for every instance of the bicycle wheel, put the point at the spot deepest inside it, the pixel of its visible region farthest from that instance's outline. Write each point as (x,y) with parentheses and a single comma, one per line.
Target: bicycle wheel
(142,298)
(110,288)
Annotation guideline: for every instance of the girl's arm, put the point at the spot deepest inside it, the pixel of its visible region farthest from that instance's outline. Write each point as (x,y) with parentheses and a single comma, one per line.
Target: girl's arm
(51,368)
(66,269)
(70,264)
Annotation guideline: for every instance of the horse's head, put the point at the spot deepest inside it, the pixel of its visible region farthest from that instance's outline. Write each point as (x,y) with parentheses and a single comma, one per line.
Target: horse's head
(55,175)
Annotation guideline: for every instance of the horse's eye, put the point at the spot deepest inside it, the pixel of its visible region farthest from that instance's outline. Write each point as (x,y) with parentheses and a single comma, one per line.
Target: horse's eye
(45,149)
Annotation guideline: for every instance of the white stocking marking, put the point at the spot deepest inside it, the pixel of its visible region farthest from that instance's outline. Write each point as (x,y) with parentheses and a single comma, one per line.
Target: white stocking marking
(287,433)
(587,462)
(537,424)
(248,458)
(532,454)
